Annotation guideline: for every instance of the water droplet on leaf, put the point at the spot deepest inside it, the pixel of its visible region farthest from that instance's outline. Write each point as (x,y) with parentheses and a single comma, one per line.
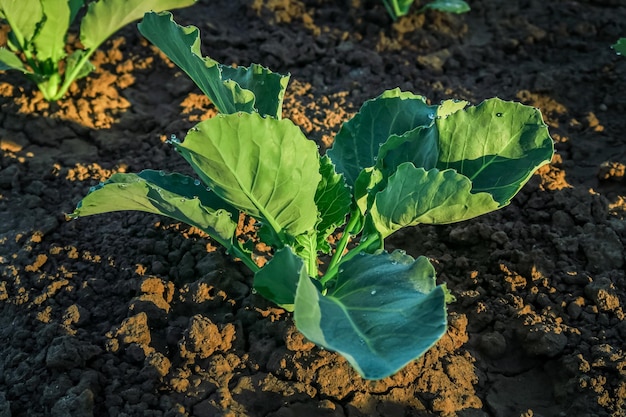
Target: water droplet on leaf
(196,182)
(373,292)
(498,114)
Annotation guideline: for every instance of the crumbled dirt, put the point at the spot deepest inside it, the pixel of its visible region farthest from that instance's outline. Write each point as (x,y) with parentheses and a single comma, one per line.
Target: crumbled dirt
(130,314)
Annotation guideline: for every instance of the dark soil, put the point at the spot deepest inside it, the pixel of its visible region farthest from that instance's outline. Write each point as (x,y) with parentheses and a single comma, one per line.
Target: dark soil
(130,314)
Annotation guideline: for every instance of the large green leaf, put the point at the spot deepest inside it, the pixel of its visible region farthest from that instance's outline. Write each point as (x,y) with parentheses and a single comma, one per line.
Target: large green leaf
(230,89)
(384,311)
(23,17)
(105,17)
(50,39)
(278,279)
(414,195)
(263,166)
(497,145)
(358,141)
(174,195)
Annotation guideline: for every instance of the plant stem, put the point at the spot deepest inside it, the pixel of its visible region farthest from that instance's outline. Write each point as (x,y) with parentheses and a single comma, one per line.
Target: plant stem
(50,87)
(70,77)
(239,253)
(345,239)
(363,246)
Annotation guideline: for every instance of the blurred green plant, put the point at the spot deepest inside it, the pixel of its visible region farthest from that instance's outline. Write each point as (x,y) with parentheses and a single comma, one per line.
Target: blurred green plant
(398,8)
(37,40)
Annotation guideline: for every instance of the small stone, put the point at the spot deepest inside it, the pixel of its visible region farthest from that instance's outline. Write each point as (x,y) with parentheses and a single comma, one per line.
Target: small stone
(74,405)
(543,341)
(602,292)
(493,344)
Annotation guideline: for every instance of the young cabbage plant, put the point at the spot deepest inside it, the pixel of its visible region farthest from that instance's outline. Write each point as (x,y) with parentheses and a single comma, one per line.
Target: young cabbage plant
(398,8)
(37,41)
(398,162)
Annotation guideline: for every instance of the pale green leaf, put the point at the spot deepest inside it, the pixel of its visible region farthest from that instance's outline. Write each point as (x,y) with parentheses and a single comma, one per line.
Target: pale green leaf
(263,166)
(384,311)
(358,141)
(23,17)
(10,61)
(173,195)
(50,40)
(278,279)
(497,145)
(305,247)
(414,195)
(447,107)
(105,17)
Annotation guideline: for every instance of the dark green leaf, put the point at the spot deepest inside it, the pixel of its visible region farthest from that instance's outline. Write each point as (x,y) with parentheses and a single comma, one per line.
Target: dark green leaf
(230,89)
(448,6)
(75,6)
(278,280)
(384,311)
(358,141)
(419,146)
